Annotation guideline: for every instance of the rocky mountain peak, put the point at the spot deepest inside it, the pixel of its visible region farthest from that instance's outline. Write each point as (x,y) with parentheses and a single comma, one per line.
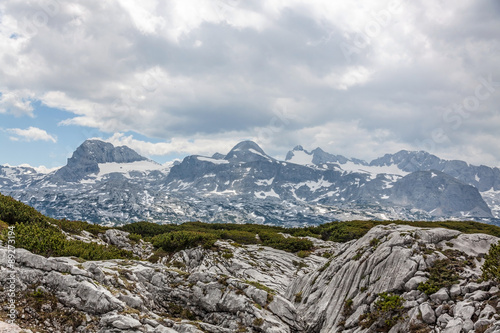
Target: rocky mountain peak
(218,156)
(409,161)
(103,152)
(86,158)
(246,151)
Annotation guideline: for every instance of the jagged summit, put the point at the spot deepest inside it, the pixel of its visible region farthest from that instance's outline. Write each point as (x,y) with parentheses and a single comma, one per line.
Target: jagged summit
(247,151)
(103,152)
(317,156)
(218,156)
(410,161)
(86,158)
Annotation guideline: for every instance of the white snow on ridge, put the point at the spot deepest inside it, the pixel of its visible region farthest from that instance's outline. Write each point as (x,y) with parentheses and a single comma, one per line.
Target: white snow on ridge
(141,166)
(262,182)
(263,195)
(313,186)
(257,153)
(211,160)
(388,169)
(301,157)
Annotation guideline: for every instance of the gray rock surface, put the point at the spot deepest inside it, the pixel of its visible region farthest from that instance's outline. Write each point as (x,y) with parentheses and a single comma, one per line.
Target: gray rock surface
(428,315)
(198,290)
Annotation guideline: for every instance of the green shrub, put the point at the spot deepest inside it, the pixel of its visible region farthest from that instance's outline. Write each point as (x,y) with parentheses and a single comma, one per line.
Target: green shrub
(347,309)
(303,254)
(134,237)
(388,310)
(258,322)
(239,236)
(491,266)
(290,244)
(445,272)
(48,240)
(180,240)
(227,254)
(374,242)
(13,211)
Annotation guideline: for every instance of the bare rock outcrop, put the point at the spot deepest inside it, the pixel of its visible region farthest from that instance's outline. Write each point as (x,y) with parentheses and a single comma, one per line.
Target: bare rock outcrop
(259,289)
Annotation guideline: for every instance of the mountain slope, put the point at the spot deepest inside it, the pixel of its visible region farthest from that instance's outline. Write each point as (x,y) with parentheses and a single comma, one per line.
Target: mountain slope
(103,183)
(395,278)
(87,156)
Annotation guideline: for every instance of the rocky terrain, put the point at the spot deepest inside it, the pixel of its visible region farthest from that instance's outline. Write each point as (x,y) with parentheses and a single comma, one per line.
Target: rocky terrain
(106,184)
(395,278)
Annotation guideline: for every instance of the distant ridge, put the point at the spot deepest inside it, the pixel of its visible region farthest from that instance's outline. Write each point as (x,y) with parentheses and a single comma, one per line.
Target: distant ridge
(107,184)
(89,154)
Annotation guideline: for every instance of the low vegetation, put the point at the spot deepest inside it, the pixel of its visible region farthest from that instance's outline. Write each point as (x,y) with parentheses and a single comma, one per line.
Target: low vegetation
(491,266)
(388,310)
(445,272)
(42,235)
(175,237)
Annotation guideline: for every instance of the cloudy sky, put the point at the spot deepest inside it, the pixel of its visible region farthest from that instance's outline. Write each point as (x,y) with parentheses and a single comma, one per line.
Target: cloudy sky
(179,77)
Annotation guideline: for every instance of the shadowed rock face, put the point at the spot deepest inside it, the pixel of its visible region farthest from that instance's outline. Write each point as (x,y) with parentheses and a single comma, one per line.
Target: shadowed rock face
(264,289)
(482,177)
(89,154)
(437,192)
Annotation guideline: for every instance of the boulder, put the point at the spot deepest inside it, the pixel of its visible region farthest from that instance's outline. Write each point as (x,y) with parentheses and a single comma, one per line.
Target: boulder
(454,326)
(428,315)
(440,296)
(413,283)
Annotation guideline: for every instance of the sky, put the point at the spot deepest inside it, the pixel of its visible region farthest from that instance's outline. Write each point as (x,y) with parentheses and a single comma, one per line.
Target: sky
(181,77)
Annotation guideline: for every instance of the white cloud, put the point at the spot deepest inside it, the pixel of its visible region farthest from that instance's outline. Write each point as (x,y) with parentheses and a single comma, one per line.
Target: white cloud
(17,103)
(194,72)
(31,134)
(191,146)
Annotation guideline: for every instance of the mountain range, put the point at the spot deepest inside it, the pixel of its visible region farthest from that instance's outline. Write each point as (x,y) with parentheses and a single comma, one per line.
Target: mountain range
(112,185)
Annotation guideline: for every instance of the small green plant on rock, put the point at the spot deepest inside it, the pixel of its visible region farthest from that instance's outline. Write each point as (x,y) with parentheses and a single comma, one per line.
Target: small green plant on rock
(358,255)
(298,297)
(258,322)
(374,242)
(387,313)
(445,272)
(303,254)
(227,254)
(347,310)
(491,266)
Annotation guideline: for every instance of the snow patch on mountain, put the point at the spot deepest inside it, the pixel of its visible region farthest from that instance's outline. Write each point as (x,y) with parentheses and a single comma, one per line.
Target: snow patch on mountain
(264,182)
(126,168)
(301,157)
(264,195)
(211,160)
(373,170)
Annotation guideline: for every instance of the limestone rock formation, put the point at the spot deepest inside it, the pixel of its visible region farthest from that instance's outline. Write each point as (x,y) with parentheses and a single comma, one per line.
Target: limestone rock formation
(260,289)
